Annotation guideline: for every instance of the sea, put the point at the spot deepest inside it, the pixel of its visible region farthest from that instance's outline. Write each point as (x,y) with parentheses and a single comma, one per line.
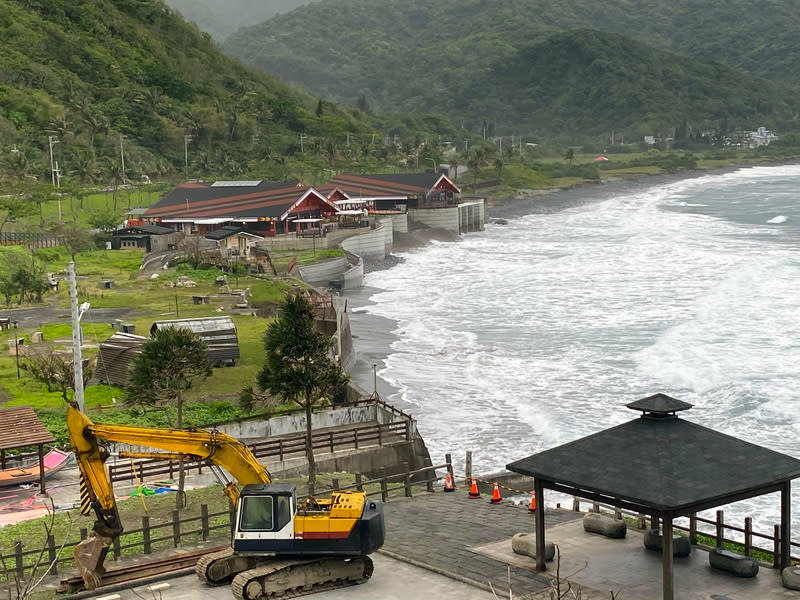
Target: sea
(538,330)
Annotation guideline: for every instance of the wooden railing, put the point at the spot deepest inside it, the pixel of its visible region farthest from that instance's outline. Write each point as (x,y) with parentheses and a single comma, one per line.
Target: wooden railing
(145,540)
(358,436)
(715,529)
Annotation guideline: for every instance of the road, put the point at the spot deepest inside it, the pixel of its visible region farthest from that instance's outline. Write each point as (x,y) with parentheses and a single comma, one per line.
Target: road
(393,580)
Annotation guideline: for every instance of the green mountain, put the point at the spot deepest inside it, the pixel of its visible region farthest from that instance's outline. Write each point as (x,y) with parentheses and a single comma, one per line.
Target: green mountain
(107,82)
(433,56)
(585,83)
(221,19)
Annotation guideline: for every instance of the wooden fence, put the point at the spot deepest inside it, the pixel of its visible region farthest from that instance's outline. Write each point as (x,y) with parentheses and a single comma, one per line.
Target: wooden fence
(56,555)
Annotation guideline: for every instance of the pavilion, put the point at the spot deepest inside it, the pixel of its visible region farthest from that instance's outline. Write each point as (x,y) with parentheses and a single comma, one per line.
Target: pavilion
(22,428)
(662,466)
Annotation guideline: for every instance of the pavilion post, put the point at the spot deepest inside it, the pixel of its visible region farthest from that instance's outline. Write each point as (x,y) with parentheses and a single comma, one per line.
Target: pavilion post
(538,490)
(666,557)
(786,524)
(42,487)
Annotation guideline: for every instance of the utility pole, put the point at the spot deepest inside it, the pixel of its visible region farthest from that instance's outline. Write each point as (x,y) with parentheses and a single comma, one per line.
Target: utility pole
(52,139)
(186,140)
(55,173)
(122,156)
(77,313)
(302,137)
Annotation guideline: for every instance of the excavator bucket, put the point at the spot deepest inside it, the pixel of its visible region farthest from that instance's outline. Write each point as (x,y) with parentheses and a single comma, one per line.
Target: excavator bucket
(89,556)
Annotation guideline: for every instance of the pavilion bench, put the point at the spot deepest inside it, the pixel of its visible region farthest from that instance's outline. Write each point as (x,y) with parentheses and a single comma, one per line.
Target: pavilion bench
(738,564)
(605,525)
(680,544)
(523,543)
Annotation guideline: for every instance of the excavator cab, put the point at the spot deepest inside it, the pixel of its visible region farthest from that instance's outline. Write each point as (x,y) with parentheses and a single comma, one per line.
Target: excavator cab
(270,522)
(265,513)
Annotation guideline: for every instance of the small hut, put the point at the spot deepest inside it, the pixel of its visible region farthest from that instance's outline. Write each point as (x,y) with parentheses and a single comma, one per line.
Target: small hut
(219,334)
(115,357)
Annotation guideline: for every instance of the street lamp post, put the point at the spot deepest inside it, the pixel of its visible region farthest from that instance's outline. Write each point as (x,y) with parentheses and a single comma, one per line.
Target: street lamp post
(433,162)
(16,346)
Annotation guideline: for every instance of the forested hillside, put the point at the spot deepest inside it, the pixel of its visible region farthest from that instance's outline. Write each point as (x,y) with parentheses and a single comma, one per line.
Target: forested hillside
(586,82)
(427,56)
(128,81)
(220,19)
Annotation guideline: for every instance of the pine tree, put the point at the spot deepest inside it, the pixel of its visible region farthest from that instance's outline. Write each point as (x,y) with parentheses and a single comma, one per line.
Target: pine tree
(298,366)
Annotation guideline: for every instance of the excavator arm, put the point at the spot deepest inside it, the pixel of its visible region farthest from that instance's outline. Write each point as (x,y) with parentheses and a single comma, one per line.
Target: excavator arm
(212,447)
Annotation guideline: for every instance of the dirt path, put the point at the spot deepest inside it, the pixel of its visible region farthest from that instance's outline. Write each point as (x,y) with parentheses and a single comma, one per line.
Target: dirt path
(37,316)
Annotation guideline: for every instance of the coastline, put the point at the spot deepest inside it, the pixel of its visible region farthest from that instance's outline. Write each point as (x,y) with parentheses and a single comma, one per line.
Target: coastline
(373,335)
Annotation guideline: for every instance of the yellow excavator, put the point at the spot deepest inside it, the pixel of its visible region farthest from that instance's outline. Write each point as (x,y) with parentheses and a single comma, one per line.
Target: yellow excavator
(279,548)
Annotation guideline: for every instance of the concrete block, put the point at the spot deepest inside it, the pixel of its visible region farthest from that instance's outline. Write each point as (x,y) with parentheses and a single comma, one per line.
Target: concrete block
(605,525)
(525,544)
(739,565)
(790,577)
(680,544)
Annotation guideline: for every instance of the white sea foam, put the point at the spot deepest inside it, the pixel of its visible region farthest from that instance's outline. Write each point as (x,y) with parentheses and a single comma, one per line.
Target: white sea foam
(779,219)
(533,334)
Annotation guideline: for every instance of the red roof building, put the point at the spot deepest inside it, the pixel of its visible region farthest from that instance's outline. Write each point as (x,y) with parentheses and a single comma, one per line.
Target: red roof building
(395,191)
(264,208)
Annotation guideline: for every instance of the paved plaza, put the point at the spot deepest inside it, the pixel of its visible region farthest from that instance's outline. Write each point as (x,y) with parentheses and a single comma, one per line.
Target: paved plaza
(448,545)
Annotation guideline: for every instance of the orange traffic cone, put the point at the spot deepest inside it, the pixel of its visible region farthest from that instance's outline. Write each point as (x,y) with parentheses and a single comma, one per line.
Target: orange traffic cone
(448,483)
(496,499)
(473,490)
(532,508)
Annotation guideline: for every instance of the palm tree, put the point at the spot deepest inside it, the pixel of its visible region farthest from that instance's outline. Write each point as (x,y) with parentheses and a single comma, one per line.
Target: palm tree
(86,168)
(454,169)
(498,165)
(17,165)
(113,170)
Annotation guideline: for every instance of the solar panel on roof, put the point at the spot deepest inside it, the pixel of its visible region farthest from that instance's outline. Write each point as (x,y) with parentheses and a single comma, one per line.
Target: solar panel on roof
(236,183)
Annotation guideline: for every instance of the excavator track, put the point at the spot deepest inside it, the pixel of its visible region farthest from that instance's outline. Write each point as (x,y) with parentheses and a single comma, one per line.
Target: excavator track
(218,568)
(293,578)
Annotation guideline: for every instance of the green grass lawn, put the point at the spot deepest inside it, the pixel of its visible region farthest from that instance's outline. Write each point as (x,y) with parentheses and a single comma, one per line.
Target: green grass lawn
(149,300)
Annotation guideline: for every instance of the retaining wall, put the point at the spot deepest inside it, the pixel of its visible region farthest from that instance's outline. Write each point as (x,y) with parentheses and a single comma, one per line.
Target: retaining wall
(373,244)
(323,272)
(442,218)
(372,462)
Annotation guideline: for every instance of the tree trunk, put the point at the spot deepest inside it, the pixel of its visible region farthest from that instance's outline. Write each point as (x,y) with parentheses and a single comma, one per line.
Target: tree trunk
(312,465)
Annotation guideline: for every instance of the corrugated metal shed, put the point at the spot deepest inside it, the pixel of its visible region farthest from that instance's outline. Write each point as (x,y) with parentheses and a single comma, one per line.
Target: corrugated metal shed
(115,357)
(21,427)
(219,333)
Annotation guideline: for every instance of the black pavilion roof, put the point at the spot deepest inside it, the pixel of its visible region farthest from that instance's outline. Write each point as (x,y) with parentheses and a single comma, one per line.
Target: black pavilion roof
(662,462)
